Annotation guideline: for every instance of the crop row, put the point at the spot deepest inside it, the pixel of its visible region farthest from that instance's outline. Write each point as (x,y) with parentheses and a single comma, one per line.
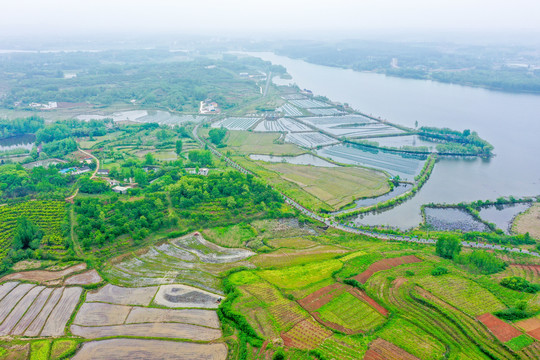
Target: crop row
(47,215)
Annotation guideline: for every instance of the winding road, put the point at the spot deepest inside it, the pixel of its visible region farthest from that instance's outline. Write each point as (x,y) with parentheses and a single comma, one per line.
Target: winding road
(332,223)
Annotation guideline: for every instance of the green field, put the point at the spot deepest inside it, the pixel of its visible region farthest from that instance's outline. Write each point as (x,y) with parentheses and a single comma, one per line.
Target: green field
(351,313)
(247,143)
(301,276)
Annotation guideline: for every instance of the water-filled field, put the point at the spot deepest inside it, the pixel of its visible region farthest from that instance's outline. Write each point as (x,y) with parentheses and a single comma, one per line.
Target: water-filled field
(404,165)
(502,215)
(398,190)
(310,140)
(449,219)
(351,126)
(281,125)
(236,123)
(304,159)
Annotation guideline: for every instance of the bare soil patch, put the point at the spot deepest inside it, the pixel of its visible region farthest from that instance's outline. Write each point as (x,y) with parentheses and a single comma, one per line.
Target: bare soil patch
(210,252)
(129,349)
(380,349)
(500,329)
(385,264)
(528,222)
(162,330)
(207,318)
(61,313)
(535,333)
(361,295)
(26,265)
(43,276)
(184,296)
(123,296)
(529,324)
(100,314)
(86,278)
(321,297)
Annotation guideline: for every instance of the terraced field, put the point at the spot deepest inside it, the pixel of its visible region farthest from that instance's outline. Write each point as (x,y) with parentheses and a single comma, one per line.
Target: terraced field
(190,260)
(47,215)
(458,331)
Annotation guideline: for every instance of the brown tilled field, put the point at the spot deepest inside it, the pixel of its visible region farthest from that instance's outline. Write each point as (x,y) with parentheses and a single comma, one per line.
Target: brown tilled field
(129,349)
(529,222)
(502,330)
(206,318)
(86,278)
(161,330)
(123,296)
(380,349)
(19,310)
(385,264)
(322,296)
(100,314)
(44,276)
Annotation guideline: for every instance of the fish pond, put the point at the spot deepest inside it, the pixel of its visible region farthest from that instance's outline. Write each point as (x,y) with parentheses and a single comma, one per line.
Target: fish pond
(451,219)
(503,215)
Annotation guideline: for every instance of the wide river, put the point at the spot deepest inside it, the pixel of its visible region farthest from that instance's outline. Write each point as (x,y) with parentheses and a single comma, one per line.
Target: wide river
(511,122)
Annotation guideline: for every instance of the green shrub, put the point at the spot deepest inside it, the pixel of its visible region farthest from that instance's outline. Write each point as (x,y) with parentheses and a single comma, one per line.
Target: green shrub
(439,270)
(355,283)
(279,355)
(520,284)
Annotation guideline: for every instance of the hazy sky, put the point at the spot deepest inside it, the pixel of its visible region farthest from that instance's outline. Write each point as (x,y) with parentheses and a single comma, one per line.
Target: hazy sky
(220,17)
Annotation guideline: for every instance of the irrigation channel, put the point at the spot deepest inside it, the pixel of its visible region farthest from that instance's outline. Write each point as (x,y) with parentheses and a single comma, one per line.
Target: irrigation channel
(336,225)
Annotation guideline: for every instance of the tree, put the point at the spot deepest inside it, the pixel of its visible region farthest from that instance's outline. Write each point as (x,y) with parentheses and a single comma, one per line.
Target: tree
(448,246)
(179,147)
(27,235)
(149,159)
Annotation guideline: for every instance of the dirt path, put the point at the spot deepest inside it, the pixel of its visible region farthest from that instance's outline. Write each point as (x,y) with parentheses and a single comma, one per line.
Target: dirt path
(70,198)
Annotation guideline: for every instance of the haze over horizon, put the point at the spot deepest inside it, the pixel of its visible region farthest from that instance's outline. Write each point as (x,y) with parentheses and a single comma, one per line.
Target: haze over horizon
(300,19)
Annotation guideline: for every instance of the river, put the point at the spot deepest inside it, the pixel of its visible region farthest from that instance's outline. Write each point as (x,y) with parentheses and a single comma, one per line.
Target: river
(511,122)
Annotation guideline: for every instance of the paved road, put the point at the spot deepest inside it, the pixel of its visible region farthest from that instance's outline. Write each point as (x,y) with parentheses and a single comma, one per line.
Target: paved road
(332,223)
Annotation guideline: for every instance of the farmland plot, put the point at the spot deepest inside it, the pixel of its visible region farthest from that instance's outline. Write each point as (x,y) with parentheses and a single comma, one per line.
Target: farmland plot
(326,112)
(293,97)
(86,278)
(44,276)
(12,298)
(385,264)
(310,139)
(236,123)
(308,103)
(18,311)
(281,125)
(462,293)
(206,318)
(162,330)
(128,349)
(62,312)
(406,167)
(123,296)
(306,334)
(100,314)
(382,349)
(502,330)
(351,126)
(289,110)
(301,276)
(37,324)
(32,312)
(190,260)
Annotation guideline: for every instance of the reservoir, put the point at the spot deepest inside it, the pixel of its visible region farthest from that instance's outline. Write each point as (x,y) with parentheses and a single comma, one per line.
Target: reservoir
(511,122)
